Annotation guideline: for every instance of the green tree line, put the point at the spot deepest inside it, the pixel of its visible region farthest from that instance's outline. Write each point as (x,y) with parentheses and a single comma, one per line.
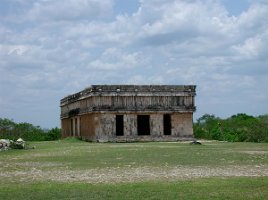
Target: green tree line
(12,130)
(237,128)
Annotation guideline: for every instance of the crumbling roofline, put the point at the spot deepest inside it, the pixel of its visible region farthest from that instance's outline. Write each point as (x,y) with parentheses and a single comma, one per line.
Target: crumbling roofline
(128,90)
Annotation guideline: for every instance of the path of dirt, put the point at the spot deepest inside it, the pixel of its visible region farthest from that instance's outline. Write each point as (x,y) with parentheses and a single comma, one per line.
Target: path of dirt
(140,174)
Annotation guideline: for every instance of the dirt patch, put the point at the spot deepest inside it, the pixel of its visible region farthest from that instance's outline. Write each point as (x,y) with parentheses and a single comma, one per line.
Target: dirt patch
(255,152)
(140,174)
(37,164)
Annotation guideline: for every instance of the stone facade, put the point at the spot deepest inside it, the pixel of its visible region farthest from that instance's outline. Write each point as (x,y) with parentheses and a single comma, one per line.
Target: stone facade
(130,113)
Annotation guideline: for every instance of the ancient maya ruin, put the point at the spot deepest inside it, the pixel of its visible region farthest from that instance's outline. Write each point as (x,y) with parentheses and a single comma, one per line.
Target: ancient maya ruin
(129,113)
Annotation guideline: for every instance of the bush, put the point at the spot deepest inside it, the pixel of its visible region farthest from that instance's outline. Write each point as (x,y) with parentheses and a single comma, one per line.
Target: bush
(33,136)
(53,134)
(237,128)
(13,131)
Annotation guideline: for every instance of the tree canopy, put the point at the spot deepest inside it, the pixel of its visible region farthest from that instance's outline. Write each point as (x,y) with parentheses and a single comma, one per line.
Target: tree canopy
(237,128)
(12,130)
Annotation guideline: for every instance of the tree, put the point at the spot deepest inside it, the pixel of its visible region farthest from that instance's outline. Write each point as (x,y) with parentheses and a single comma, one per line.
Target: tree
(240,127)
(11,130)
(54,134)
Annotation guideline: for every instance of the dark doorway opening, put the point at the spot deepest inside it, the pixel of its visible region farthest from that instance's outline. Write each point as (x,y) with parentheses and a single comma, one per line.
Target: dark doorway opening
(167,124)
(119,125)
(143,124)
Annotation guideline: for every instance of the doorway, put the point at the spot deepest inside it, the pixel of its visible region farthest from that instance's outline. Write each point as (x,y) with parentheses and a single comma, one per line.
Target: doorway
(143,124)
(167,124)
(119,125)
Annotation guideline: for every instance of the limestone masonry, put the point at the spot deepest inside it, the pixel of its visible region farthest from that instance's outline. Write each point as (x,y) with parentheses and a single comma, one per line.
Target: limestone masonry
(129,113)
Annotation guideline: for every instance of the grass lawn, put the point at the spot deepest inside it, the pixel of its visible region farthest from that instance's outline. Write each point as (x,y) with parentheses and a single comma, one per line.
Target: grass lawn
(73,169)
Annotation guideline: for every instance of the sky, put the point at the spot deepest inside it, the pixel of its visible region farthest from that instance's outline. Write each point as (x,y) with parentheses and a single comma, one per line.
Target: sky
(52,48)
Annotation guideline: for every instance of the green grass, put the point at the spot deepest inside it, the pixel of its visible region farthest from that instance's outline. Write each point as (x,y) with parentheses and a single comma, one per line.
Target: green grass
(20,178)
(212,188)
(82,155)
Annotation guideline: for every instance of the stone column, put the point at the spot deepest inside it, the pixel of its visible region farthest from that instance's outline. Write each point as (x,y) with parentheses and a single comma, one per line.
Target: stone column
(78,126)
(156,124)
(130,125)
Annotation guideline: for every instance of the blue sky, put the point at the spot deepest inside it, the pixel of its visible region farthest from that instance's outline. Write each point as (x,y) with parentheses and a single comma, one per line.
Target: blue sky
(52,48)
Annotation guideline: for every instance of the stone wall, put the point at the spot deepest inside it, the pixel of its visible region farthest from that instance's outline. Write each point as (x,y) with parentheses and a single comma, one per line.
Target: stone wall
(66,127)
(88,124)
(102,127)
(130,125)
(182,125)
(105,131)
(156,125)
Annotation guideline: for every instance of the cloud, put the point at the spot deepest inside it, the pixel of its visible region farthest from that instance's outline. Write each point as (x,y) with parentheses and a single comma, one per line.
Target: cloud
(181,20)
(254,47)
(49,49)
(70,10)
(114,59)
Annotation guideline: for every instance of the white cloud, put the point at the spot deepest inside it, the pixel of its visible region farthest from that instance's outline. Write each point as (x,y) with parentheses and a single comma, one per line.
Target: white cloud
(250,48)
(70,10)
(114,59)
(57,48)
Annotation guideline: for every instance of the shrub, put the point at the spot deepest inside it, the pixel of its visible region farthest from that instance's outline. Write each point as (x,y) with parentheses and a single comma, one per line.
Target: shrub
(237,128)
(13,131)
(53,134)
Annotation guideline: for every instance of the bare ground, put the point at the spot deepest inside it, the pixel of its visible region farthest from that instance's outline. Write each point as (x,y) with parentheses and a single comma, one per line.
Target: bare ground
(129,174)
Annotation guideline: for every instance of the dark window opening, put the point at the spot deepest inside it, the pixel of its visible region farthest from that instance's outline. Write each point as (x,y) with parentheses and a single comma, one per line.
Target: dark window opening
(167,124)
(119,125)
(143,124)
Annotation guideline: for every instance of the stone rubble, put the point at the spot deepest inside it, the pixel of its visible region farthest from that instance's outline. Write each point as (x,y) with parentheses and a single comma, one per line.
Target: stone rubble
(6,144)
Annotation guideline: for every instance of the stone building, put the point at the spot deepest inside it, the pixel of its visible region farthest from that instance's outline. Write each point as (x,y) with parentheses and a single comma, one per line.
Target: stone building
(129,113)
